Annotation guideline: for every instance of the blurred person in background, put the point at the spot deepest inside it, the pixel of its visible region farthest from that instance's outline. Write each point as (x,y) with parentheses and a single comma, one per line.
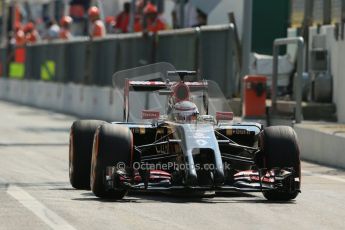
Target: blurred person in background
(202,19)
(153,22)
(97,28)
(78,10)
(52,30)
(65,28)
(110,24)
(139,11)
(122,19)
(18,41)
(139,7)
(190,16)
(19,35)
(31,33)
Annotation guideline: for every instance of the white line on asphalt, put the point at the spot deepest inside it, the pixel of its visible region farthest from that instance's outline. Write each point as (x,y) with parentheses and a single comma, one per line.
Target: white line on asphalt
(45,214)
(328,177)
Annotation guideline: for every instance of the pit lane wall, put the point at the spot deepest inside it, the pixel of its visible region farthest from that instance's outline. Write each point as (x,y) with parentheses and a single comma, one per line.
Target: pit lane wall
(81,60)
(93,102)
(322,142)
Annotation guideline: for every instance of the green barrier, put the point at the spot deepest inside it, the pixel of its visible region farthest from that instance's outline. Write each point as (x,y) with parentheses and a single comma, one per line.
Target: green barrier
(54,60)
(3,61)
(61,61)
(17,70)
(134,50)
(81,60)
(103,60)
(48,71)
(76,61)
(216,57)
(178,47)
(34,58)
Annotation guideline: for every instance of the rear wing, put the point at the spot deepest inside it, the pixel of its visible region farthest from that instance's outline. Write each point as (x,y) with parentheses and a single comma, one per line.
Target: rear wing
(154,86)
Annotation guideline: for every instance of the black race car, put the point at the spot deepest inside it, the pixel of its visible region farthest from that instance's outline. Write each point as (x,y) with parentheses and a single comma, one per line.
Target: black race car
(178,134)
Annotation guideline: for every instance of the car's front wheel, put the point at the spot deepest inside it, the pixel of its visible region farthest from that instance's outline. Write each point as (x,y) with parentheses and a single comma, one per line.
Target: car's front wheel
(113,144)
(280,150)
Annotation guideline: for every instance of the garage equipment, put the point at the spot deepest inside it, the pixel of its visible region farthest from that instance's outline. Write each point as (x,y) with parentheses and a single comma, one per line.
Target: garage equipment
(254,96)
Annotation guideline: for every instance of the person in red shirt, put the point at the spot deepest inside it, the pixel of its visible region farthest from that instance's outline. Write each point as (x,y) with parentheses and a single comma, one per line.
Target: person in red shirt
(97,26)
(153,22)
(122,19)
(20,40)
(31,34)
(19,35)
(65,32)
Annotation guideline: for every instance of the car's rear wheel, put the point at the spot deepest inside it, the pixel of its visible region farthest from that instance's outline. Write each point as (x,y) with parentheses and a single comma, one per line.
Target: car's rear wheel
(280,150)
(80,149)
(113,144)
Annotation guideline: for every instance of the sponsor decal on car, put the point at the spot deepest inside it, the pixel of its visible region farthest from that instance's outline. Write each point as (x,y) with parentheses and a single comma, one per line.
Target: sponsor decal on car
(149,114)
(224,116)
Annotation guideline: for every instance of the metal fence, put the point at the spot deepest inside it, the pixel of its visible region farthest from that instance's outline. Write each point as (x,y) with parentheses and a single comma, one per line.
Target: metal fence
(317,12)
(208,49)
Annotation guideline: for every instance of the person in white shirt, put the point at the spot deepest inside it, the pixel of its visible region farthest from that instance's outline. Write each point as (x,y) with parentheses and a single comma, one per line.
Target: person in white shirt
(190,17)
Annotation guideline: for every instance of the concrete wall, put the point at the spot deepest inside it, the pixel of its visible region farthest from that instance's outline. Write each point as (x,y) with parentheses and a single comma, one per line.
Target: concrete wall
(83,101)
(88,102)
(322,143)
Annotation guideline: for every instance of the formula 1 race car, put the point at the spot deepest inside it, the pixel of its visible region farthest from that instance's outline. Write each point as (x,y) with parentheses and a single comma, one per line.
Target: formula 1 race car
(178,134)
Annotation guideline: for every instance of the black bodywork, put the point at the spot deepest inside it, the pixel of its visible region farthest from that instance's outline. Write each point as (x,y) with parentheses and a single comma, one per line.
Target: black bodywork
(188,151)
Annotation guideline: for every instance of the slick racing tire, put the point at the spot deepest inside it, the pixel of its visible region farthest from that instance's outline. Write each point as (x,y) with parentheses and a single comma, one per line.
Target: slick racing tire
(113,144)
(80,150)
(280,149)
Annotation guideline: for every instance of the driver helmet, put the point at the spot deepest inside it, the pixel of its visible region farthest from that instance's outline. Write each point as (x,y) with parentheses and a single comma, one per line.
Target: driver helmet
(185,111)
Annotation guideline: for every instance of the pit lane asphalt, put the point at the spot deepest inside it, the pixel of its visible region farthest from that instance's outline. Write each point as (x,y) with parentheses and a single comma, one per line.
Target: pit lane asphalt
(35,192)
